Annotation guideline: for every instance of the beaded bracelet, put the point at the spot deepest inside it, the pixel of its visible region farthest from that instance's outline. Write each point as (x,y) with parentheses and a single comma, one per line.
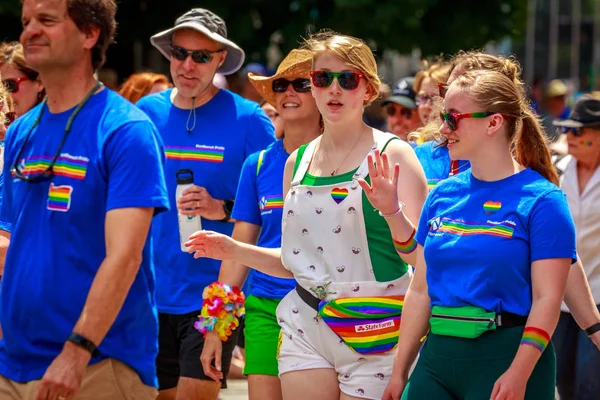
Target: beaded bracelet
(222,307)
(535,337)
(408,246)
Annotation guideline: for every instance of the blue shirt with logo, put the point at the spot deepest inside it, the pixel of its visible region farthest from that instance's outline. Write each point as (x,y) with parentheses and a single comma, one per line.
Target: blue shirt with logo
(435,160)
(259,201)
(228,129)
(480,239)
(112,159)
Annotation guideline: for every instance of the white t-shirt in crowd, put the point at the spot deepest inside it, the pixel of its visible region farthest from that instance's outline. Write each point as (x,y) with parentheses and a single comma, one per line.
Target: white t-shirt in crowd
(585,208)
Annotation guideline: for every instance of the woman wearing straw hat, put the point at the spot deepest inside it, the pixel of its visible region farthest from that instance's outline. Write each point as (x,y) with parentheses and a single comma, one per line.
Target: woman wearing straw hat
(258,213)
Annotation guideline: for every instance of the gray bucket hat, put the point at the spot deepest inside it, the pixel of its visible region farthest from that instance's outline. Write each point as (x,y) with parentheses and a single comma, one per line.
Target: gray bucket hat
(210,24)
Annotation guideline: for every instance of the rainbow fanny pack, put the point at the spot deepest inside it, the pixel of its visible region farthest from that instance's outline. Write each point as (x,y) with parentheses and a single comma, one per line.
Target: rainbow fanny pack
(368,325)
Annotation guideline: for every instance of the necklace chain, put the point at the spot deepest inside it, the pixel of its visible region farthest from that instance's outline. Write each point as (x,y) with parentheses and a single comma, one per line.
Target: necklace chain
(334,172)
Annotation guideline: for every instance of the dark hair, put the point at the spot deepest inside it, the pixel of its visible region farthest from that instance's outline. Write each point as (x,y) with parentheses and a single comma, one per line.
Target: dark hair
(11,53)
(88,14)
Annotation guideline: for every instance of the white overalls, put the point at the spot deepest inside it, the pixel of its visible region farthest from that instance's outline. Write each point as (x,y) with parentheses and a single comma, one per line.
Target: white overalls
(324,244)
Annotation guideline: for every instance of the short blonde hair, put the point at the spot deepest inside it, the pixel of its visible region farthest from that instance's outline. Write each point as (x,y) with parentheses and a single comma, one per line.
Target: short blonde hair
(438,72)
(351,50)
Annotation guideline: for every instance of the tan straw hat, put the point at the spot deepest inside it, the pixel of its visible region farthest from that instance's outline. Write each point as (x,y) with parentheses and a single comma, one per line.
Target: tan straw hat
(297,64)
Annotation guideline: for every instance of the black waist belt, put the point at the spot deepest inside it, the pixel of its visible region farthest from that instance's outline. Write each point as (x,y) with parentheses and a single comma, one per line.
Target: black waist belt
(308,298)
(504,320)
(510,320)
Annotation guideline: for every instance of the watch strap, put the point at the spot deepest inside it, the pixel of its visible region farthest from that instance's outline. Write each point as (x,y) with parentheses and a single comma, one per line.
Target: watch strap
(82,341)
(228,208)
(593,329)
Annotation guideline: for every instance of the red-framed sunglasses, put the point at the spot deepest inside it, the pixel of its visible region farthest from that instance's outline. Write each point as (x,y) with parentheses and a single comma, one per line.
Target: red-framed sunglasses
(451,119)
(443,89)
(13,85)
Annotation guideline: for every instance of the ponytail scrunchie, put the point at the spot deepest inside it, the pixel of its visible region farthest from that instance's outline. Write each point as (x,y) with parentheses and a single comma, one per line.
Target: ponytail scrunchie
(222,307)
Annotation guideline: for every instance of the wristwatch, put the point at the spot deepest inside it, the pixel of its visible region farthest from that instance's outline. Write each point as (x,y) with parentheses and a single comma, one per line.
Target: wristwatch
(228,208)
(81,341)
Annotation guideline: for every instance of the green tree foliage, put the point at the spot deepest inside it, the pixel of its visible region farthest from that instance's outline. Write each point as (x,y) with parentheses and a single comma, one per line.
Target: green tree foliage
(434,26)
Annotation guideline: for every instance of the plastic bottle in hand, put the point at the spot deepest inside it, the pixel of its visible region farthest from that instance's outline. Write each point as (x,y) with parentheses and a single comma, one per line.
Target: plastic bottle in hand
(188,224)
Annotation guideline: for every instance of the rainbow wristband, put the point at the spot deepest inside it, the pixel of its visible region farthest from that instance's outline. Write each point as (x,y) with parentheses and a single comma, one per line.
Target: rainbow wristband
(222,307)
(535,337)
(406,247)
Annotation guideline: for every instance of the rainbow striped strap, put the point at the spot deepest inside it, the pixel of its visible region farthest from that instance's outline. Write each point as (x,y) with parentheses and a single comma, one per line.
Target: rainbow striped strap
(535,337)
(406,247)
(222,307)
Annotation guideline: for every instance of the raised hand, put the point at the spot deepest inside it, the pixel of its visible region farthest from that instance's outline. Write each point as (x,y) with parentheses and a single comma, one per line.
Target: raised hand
(211,244)
(383,191)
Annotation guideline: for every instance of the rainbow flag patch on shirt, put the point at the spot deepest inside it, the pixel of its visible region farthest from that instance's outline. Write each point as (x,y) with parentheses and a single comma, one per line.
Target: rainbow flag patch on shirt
(59,198)
(491,207)
(75,167)
(461,228)
(213,154)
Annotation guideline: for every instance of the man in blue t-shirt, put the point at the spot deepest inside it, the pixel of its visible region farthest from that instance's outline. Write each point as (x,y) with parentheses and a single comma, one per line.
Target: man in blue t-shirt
(209,132)
(83,178)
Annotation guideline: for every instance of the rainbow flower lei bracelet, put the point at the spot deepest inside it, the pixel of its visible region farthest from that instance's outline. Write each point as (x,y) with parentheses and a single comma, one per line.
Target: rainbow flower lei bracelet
(222,307)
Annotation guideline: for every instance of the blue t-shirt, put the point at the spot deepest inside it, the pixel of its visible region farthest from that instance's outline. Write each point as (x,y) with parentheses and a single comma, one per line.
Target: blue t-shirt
(5,226)
(228,129)
(435,160)
(259,201)
(112,159)
(480,239)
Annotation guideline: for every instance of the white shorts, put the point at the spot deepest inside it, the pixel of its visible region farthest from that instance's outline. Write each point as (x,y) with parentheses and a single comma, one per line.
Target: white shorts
(308,343)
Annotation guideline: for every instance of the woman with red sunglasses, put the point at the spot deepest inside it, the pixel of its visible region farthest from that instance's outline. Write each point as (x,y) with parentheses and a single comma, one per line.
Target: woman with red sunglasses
(495,247)
(21,81)
(353,197)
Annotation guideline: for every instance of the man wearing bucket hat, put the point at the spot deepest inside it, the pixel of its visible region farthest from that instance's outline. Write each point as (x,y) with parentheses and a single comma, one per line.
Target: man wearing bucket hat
(578,359)
(401,109)
(258,214)
(210,132)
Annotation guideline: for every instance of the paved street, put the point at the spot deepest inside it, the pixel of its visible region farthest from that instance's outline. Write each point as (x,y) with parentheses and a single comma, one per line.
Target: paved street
(237,390)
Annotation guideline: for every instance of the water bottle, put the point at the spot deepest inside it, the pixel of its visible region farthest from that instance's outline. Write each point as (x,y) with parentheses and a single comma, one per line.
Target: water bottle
(188,224)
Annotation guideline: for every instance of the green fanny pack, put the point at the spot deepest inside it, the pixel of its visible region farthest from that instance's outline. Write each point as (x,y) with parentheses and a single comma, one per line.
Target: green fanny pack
(464,322)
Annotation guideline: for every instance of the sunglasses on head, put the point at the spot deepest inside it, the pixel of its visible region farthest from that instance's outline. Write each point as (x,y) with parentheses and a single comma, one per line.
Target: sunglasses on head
(392,110)
(451,119)
(347,80)
(300,85)
(13,85)
(443,89)
(575,131)
(198,56)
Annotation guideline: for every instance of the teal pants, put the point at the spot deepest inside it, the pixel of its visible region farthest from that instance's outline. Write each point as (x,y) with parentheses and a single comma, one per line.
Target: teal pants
(451,368)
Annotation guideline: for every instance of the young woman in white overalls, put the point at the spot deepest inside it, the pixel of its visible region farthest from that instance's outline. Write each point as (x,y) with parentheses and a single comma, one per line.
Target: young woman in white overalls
(348,237)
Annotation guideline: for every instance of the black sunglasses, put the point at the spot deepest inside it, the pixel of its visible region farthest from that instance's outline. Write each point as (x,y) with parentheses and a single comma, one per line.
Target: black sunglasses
(198,56)
(348,80)
(300,85)
(392,110)
(575,131)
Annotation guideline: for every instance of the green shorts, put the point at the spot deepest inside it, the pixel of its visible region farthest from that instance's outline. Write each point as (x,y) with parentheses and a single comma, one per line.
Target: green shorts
(262,336)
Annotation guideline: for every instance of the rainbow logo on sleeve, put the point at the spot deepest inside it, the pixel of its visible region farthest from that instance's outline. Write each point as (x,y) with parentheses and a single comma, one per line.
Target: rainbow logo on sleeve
(431,183)
(213,154)
(69,167)
(491,207)
(59,198)
(462,228)
(270,202)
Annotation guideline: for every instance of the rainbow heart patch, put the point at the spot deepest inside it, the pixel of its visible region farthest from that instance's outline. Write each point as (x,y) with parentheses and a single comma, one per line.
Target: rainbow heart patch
(339,195)
(491,207)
